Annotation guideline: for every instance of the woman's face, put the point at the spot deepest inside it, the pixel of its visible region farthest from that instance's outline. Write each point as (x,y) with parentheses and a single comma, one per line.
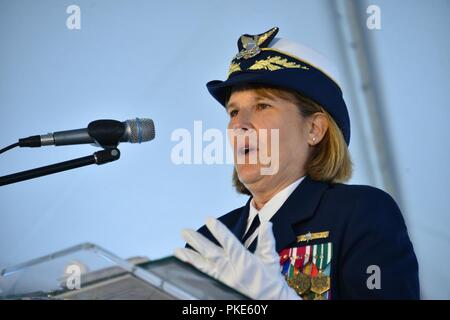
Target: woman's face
(251,112)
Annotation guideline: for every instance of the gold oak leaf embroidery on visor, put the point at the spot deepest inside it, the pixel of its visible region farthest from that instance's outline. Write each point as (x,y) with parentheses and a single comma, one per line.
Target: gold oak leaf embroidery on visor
(275,63)
(234,67)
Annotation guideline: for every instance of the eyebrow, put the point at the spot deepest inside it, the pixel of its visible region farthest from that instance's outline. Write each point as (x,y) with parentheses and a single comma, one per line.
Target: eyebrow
(228,106)
(258,98)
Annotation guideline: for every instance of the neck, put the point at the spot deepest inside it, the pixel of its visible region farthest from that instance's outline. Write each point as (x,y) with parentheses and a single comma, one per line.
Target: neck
(261,197)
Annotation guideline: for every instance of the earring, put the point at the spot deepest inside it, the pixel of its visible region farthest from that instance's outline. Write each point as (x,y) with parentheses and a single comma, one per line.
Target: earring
(314,140)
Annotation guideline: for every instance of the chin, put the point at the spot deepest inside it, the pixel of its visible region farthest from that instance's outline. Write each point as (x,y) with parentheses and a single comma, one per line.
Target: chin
(249,173)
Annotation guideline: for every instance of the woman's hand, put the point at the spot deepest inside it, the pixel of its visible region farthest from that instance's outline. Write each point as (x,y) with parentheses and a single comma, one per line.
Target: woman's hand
(256,275)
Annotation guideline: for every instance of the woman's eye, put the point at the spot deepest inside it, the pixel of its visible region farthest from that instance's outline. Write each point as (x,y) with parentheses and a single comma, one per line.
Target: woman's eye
(263,106)
(233,113)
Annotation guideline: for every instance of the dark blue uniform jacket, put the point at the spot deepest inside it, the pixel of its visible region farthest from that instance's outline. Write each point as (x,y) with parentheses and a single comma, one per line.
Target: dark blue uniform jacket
(366,228)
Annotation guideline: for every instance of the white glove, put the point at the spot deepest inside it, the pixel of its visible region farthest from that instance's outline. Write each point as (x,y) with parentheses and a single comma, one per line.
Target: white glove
(256,275)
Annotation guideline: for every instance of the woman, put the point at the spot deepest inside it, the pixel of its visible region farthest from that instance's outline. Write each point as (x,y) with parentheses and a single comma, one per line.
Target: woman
(328,239)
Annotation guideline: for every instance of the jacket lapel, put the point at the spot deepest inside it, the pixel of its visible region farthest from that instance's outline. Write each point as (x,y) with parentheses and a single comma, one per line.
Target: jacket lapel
(238,227)
(235,221)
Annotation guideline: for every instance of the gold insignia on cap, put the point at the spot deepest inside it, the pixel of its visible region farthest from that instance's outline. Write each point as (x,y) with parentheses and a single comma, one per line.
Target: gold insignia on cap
(250,49)
(250,45)
(313,236)
(249,42)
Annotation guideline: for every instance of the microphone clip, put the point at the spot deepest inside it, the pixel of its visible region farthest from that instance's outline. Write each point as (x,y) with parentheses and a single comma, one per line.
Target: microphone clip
(106,133)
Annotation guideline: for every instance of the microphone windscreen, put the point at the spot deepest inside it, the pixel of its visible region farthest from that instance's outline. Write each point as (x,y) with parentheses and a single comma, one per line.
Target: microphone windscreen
(141,130)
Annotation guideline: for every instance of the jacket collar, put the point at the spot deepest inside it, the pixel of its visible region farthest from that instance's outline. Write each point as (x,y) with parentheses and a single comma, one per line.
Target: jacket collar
(301,205)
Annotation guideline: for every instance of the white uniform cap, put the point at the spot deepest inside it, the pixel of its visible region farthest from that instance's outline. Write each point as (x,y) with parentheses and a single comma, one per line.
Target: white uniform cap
(308,55)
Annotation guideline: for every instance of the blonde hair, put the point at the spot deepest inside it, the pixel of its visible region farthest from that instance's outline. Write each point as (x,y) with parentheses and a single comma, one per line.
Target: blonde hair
(330,159)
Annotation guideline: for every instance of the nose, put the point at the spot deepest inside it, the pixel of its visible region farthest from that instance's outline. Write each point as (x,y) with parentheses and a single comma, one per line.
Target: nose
(242,121)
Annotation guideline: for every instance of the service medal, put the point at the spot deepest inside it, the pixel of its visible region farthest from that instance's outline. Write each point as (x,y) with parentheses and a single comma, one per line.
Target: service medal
(300,282)
(320,284)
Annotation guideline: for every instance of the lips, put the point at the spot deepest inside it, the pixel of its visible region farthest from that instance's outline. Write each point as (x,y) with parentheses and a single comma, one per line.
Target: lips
(246,149)
(246,143)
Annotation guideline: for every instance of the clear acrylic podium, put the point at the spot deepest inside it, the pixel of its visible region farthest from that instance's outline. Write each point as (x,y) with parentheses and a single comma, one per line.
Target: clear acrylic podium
(87,271)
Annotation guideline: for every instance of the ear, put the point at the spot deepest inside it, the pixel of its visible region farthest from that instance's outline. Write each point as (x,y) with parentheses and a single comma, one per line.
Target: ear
(317,129)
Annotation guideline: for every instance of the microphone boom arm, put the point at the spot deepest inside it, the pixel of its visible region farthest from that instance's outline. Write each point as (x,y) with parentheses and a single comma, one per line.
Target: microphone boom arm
(99,157)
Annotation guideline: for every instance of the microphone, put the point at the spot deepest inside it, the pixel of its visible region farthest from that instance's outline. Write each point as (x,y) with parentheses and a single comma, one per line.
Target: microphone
(104,133)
